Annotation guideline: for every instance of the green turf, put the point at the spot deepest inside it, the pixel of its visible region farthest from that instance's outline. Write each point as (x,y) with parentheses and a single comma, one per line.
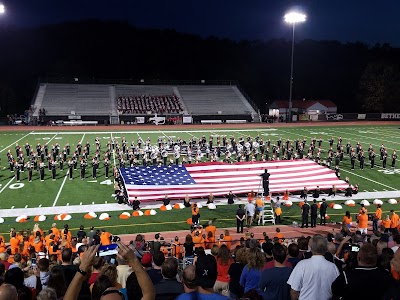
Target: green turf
(83,191)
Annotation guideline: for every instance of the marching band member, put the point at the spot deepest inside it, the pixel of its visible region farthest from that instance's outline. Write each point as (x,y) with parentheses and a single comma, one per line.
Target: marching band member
(41,170)
(70,168)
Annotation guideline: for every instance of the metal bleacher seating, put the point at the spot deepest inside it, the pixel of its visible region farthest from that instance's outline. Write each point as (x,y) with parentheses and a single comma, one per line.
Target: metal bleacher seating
(212,100)
(83,99)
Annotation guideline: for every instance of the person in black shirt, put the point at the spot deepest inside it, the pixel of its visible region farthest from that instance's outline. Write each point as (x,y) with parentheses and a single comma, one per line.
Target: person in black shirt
(81,233)
(135,204)
(230,198)
(314,209)
(96,238)
(265,180)
(322,211)
(305,210)
(166,200)
(240,216)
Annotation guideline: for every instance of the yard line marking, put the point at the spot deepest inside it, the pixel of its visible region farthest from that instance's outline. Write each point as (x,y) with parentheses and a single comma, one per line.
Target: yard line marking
(59,191)
(342,169)
(365,191)
(7,184)
(65,178)
(113,151)
(15,142)
(375,190)
(386,190)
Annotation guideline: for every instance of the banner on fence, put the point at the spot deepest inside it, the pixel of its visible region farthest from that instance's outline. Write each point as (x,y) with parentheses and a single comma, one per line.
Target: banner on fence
(187,120)
(390,116)
(361,116)
(140,120)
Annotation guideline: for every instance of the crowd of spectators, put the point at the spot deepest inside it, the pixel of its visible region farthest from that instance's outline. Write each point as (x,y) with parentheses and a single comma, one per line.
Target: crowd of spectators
(149,103)
(62,265)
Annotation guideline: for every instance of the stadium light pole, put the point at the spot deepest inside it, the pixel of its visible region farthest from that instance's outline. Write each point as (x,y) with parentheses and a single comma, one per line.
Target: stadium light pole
(293,18)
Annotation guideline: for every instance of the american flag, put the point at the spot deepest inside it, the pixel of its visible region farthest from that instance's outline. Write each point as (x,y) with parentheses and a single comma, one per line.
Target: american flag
(199,180)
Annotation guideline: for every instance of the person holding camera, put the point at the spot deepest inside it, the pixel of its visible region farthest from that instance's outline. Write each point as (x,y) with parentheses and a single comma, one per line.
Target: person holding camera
(347,285)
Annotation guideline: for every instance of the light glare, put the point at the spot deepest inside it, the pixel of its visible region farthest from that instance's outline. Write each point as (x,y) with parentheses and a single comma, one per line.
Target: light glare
(295,17)
(2,9)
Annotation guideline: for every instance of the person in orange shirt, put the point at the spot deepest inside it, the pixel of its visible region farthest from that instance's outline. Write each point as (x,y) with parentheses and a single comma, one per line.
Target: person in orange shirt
(213,229)
(259,209)
(386,223)
(394,218)
(198,240)
(363,222)
(279,235)
(2,244)
(228,239)
(347,219)
(362,209)
(377,217)
(176,248)
(195,214)
(37,228)
(55,231)
(209,240)
(26,247)
(38,242)
(14,242)
(105,237)
(250,196)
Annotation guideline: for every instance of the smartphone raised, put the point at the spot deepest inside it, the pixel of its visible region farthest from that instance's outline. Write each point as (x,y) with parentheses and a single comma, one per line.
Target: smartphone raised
(108,250)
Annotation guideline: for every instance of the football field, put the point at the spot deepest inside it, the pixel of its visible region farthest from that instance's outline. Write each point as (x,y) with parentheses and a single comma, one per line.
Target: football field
(56,196)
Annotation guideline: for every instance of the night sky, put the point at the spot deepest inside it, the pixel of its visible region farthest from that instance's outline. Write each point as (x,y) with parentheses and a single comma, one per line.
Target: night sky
(367,21)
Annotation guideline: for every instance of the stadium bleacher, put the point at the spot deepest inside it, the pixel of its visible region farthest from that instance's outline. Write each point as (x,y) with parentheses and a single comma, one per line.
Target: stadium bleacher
(116,100)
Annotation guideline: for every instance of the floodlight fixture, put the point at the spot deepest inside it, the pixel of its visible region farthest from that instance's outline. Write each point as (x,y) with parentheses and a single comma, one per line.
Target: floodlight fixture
(295,17)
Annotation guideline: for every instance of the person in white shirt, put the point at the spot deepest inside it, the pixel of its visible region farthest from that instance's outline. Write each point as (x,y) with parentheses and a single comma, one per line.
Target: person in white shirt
(312,278)
(250,211)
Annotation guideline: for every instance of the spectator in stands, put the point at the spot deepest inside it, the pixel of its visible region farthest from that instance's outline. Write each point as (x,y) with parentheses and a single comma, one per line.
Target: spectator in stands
(44,274)
(47,294)
(102,284)
(312,278)
(188,247)
(87,260)
(224,261)
(111,272)
(235,270)
(57,282)
(251,273)
(206,275)
(169,287)
(273,281)
(347,285)
(15,276)
(8,291)
(189,279)
(293,254)
(155,272)
(97,265)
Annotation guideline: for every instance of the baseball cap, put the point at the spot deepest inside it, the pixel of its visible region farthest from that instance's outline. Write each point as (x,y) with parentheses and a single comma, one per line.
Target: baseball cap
(206,271)
(147,258)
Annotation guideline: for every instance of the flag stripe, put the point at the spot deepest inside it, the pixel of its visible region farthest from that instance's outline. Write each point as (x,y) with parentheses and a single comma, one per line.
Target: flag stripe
(199,180)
